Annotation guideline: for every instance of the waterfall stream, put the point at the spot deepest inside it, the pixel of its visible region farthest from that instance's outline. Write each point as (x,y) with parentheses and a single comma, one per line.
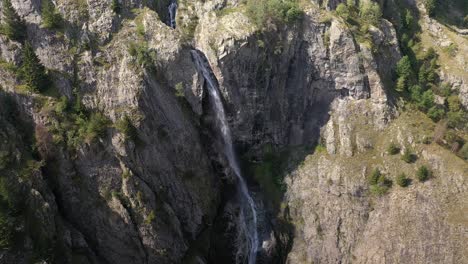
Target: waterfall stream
(172,8)
(248,214)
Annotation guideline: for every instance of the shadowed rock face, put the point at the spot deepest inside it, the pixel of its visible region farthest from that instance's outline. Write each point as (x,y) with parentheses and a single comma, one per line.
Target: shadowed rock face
(168,195)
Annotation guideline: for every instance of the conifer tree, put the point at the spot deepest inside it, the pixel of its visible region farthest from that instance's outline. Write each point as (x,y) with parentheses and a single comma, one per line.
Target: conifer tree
(51,19)
(32,72)
(13,27)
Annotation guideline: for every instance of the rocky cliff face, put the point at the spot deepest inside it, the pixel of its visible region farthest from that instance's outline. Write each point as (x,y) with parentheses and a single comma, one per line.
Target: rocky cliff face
(164,193)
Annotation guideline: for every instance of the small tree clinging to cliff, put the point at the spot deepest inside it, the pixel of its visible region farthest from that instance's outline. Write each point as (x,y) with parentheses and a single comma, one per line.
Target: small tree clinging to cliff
(32,72)
(263,12)
(51,19)
(13,27)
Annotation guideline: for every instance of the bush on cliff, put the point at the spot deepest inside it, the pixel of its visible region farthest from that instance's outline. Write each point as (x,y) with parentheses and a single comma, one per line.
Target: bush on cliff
(32,72)
(51,19)
(13,27)
(264,12)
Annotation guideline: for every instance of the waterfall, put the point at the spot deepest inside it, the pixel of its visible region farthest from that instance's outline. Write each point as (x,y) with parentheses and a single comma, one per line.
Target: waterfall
(172,8)
(248,214)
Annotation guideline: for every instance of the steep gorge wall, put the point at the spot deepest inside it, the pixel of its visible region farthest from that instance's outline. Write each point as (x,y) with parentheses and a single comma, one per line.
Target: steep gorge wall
(167,196)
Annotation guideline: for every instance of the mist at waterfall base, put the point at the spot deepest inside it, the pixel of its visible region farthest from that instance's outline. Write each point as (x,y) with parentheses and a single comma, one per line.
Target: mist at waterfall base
(248,214)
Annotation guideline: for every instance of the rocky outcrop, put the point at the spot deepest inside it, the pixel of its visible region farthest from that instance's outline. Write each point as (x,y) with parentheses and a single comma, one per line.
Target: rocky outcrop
(166,193)
(338,221)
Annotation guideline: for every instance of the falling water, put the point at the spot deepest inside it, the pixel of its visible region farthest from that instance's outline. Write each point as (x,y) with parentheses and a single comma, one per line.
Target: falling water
(248,215)
(172,13)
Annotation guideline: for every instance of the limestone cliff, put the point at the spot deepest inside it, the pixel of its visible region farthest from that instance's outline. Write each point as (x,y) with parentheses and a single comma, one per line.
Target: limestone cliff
(118,161)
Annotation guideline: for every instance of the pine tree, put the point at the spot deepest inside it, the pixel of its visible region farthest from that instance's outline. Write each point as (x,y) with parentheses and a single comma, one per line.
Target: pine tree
(13,27)
(51,19)
(116,7)
(32,72)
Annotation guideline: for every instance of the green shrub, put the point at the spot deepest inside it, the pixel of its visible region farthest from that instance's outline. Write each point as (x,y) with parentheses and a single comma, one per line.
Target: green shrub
(464,151)
(427,101)
(436,113)
(374,177)
(32,72)
(51,19)
(116,6)
(13,27)
(380,186)
(416,93)
(370,12)
(393,149)
(423,173)
(402,180)
(143,56)
(404,67)
(342,11)
(408,156)
(408,20)
(62,105)
(430,7)
(378,190)
(457,119)
(452,49)
(92,128)
(401,84)
(150,217)
(454,104)
(319,148)
(262,12)
(126,128)
(179,90)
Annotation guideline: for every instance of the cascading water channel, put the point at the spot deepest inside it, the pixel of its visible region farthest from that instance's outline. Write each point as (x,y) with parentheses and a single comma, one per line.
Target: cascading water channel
(248,214)
(172,8)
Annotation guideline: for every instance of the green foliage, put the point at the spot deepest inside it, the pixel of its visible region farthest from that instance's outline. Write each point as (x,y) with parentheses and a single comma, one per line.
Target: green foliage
(408,21)
(452,49)
(179,88)
(62,105)
(428,70)
(92,128)
(126,128)
(342,11)
(402,180)
(374,177)
(393,149)
(427,101)
(74,125)
(370,12)
(430,7)
(116,6)
(142,55)
(423,173)
(150,217)
(263,12)
(379,184)
(13,27)
(408,156)
(401,84)
(416,93)
(320,148)
(404,67)
(454,103)
(140,27)
(464,151)
(32,72)
(51,19)
(436,113)
(457,119)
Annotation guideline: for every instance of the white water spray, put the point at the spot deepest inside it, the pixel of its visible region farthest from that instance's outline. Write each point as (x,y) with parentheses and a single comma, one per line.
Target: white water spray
(172,8)
(248,215)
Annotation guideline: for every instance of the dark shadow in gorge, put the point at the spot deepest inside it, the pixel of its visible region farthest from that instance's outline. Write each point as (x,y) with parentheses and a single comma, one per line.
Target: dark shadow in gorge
(277,104)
